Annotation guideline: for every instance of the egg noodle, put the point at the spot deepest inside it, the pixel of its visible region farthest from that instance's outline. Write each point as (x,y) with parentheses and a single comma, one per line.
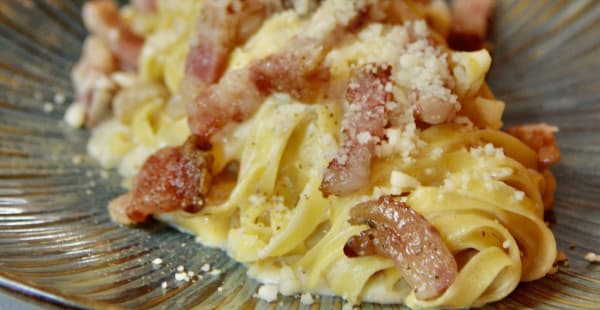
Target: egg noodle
(479,186)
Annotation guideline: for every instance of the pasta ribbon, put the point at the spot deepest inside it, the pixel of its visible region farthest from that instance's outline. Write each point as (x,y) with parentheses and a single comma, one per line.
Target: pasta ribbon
(480,187)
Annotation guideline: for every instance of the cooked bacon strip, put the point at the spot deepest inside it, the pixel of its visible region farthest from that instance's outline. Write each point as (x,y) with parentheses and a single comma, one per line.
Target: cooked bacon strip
(111,45)
(174,178)
(398,232)
(221,26)
(180,177)
(237,96)
(102,18)
(366,116)
(539,137)
(291,71)
(233,99)
(470,23)
(239,93)
(90,76)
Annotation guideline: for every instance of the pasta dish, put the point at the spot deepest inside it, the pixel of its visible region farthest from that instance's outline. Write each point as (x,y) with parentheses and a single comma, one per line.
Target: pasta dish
(346,147)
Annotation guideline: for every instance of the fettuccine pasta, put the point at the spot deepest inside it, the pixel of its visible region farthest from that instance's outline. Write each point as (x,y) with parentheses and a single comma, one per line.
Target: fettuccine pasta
(483,190)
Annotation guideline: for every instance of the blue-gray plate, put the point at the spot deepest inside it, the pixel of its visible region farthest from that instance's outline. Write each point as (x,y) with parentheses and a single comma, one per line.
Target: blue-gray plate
(57,242)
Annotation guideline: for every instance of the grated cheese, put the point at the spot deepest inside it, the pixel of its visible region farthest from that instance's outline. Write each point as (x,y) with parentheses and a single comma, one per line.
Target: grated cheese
(48,107)
(436,153)
(268,292)
(519,195)
(592,257)
(59,98)
(157,261)
(182,276)
(75,115)
(306,299)
(364,137)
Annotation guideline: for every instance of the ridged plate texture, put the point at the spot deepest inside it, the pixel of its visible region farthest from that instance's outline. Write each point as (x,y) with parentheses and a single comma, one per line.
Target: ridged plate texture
(58,243)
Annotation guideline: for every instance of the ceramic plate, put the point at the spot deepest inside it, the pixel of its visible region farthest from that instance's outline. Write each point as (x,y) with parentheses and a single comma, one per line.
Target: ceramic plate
(58,243)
